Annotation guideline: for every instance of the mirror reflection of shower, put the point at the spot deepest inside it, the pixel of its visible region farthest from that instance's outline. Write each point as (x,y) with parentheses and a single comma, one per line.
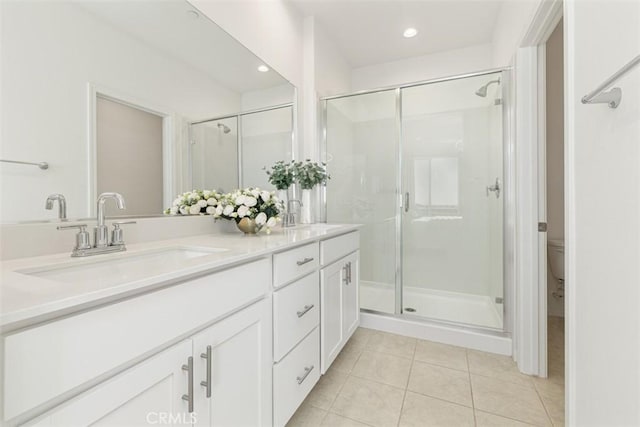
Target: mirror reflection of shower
(224,128)
(483,89)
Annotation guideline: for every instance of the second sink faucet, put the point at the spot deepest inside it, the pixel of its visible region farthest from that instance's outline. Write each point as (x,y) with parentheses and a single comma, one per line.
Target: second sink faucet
(62,205)
(102,231)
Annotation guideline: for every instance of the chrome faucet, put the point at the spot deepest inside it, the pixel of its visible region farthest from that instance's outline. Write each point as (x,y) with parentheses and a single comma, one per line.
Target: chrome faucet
(62,205)
(289,219)
(101,242)
(101,233)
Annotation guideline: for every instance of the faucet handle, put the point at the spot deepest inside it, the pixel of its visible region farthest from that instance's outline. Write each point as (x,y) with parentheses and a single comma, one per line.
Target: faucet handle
(117,235)
(82,237)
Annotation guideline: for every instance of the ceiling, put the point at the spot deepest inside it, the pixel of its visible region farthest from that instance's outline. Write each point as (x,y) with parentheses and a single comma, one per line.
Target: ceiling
(172,27)
(369,32)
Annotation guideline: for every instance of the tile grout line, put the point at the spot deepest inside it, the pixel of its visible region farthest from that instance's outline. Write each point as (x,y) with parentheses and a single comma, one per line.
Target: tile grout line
(406,387)
(473,402)
(546,411)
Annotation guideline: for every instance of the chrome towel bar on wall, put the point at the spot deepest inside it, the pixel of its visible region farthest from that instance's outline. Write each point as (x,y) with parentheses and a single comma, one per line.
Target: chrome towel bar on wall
(41,165)
(613,96)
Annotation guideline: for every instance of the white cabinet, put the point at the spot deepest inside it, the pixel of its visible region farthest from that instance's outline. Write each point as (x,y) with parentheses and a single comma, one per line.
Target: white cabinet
(340,312)
(148,393)
(233,370)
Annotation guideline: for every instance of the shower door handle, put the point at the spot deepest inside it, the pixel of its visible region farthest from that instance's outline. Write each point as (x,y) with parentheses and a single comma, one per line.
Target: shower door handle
(406,201)
(495,188)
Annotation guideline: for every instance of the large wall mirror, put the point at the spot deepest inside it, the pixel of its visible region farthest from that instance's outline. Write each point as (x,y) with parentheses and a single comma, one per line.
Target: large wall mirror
(147,99)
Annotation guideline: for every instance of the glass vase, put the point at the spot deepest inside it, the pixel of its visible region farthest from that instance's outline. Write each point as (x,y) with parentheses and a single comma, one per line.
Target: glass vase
(307,208)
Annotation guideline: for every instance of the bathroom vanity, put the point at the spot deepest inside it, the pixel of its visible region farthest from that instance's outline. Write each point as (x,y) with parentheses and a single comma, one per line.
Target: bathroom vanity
(220,329)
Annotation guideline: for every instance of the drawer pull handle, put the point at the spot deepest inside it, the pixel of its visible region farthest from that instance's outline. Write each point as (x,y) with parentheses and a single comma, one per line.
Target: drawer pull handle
(207,383)
(304,261)
(305,310)
(307,371)
(189,396)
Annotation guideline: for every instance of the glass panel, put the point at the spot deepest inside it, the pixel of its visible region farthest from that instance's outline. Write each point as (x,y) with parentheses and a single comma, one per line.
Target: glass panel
(452,229)
(362,151)
(266,138)
(214,155)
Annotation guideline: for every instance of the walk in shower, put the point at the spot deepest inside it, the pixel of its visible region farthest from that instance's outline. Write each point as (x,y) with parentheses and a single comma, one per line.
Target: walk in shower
(230,152)
(421,167)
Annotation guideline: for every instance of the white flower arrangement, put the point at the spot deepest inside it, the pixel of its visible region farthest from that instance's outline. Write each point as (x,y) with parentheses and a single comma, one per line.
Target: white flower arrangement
(253,203)
(195,202)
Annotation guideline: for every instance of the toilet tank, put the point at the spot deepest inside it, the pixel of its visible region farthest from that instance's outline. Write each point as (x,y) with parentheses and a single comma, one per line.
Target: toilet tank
(555,253)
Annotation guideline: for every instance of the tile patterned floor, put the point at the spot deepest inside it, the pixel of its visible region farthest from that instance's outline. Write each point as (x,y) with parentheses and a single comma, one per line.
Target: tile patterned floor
(387,380)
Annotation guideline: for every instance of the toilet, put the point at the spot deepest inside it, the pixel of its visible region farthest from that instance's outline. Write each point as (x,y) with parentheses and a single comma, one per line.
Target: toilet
(555,253)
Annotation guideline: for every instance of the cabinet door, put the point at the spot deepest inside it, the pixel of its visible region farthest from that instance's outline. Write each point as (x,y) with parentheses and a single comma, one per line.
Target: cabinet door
(332,280)
(238,370)
(350,301)
(148,393)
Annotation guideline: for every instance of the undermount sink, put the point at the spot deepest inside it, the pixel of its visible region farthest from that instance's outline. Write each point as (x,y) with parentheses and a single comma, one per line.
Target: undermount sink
(123,267)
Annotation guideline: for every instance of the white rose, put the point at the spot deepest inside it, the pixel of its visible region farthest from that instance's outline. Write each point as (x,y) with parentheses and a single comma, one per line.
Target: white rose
(265,196)
(261,218)
(272,222)
(174,210)
(250,201)
(206,194)
(177,202)
(194,210)
(202,203)
(227,210)
(184,210)
(211,210)
(194,196)
(219,210)
(239,200)
(255,192)
(242,211)
(212,201)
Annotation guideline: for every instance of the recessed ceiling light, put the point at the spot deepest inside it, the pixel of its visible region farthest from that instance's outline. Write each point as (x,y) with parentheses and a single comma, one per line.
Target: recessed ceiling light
(263,68)
(410,32)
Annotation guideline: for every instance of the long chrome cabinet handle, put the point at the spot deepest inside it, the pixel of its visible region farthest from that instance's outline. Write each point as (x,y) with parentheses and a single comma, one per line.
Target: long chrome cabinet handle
(189,396)
(207,382)
(349,271)
(305,310)
(307,371)
(406,201)
(345,279)
(304,261)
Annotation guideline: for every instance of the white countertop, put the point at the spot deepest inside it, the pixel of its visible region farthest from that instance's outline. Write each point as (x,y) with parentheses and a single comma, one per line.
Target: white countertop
(27,299)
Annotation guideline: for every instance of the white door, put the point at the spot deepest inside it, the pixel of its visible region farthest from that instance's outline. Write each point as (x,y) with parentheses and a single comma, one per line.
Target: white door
(233,369)
(148,393)
(332,280)
(350,304)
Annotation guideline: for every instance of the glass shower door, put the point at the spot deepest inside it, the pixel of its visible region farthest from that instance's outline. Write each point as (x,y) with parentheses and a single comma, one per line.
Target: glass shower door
(452,210)
(362,157)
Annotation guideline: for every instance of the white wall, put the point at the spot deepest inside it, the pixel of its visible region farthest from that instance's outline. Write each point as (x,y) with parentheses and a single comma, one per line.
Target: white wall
(277,95)
(443,64)
(513,22)
(603,211)
(50,52)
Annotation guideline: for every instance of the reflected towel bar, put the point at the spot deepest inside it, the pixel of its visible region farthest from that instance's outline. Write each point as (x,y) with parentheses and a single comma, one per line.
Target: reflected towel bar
(41,165)
(613,96)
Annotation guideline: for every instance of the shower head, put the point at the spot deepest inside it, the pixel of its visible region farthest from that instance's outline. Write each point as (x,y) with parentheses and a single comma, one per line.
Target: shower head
(224,128)
(483,89)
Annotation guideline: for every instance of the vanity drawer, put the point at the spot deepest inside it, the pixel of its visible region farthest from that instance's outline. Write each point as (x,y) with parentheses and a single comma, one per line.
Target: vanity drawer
(337,247)
(296,311)
(294,377)
(43,362)
(294,263)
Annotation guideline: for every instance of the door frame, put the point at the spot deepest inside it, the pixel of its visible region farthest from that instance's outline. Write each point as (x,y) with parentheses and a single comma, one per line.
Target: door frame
(531,307)
(169,148)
